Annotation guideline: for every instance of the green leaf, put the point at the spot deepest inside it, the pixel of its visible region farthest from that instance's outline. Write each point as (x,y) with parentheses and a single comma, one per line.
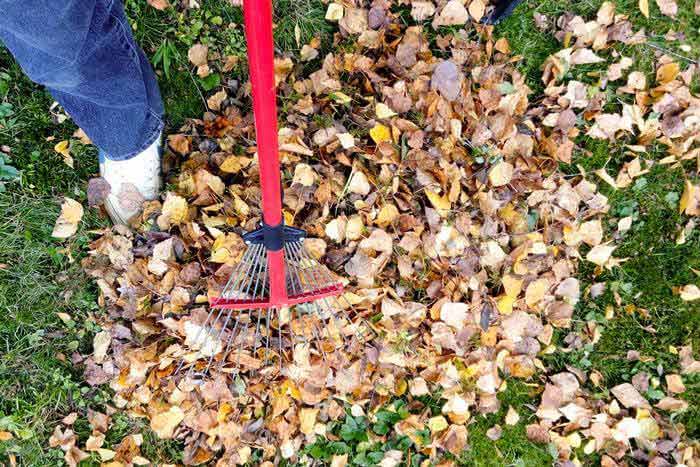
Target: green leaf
(354,429)
(210,82)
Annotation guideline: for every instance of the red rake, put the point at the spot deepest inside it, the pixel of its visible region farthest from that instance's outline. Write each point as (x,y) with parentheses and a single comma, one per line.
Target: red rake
(276,278)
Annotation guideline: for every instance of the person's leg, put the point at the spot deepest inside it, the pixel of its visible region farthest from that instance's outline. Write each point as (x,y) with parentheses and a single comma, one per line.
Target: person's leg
(84,53)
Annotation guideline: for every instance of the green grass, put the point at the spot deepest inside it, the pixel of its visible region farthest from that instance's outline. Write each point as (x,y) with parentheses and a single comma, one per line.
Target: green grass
(38,383)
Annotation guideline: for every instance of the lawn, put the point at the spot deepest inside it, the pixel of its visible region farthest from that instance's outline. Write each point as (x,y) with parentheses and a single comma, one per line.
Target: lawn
(48,306)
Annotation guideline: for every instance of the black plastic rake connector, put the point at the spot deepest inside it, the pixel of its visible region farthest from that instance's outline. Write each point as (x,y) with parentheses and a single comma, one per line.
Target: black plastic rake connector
(274,237)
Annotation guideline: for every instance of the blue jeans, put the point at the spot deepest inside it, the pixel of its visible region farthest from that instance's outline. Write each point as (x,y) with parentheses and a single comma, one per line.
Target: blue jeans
(84,53)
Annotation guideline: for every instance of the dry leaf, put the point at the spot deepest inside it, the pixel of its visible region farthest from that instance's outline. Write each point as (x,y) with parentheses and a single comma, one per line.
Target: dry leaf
(67,222)
(477,9)
(512,417)
(197,54)
(159,4)
(629,396)
(100,344)
(380,133)
(453,13)
(501,174)
(63,148)
(690,292)
(97,191)
(359,184)
(675,384)
(644,7)
(668,7)
(164,423)
(334,12)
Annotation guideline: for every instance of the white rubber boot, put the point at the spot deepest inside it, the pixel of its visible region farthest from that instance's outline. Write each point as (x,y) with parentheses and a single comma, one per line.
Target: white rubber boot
(133,181)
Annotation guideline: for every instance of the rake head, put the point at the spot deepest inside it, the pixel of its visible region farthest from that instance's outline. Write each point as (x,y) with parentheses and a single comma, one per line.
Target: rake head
(278,297)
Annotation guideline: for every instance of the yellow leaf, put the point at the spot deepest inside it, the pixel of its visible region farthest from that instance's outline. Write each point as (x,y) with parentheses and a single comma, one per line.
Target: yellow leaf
(688,194)
(644,7)
(335,12)
(505,304)
(600,254)
(106,454)
(225,248)
(387,215)
(100,344)
(234,164)
(477,9)
(383,111)
(341,98)
(304,175)
(380,133)
(606,177)
(667,73)
(5,436)
(512,285)
(67,222)
(440,203)
(164,423)
(307,420)
(63,148)
(501,174)
(535,291)
(437,424)
(174,211)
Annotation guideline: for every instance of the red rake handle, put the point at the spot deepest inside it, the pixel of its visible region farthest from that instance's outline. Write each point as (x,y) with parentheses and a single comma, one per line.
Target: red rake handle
(258,31)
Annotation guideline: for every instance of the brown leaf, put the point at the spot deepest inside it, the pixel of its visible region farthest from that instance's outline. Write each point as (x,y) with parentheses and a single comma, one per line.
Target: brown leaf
(179,144)
(453,13)
(668,7)
(97,191)
(447,79)
(197,54)
(629,396)
(159,4)
(675,384)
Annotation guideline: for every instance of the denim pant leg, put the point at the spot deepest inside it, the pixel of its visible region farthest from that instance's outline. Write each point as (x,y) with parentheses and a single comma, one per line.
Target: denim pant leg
(84,53)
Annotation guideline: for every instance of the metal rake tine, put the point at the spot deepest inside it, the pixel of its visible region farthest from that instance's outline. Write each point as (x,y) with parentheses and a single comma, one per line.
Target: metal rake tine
(297,254)
(279,330)
(238,274)
(336,322)
(231,338)
(255,295)
(239,279)
(298,272)
(221,333)
(267,335)
(196,340)
(240,347)
(314,329)
(316,284)
(206,333)
(297,260)
(259,267)
(302,334)
(293,308)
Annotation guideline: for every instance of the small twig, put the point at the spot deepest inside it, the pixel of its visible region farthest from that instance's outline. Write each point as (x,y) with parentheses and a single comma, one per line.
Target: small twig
(670,52)
(206,106)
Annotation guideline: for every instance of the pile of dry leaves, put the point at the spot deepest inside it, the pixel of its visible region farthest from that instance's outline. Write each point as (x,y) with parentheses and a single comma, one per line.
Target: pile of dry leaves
(427,178)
